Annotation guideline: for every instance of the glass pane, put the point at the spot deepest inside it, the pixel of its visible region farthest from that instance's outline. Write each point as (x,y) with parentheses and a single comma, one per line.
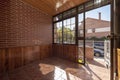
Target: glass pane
(96,2)
(60,24)
(98,23)
(55,26)
(58,17)
(55,40)
(68,21)
(69,13)
(89,4)
(69,26)
(55,31)
(80,8)
(72,27)
(65,14)
(65,22)
(80,51)
(103,2)
(73,11)
(58,32)
(72,20)
(89,43)
(80,25)
(73,37)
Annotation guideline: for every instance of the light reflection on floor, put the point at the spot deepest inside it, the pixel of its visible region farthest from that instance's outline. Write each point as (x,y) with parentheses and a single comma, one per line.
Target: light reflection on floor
(59,69)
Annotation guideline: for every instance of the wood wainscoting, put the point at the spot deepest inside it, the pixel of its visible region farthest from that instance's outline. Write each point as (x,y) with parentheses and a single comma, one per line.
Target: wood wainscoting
(68,52)
(12,58)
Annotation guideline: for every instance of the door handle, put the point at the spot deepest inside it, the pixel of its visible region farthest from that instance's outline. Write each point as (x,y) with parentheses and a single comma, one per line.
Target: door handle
(113,36)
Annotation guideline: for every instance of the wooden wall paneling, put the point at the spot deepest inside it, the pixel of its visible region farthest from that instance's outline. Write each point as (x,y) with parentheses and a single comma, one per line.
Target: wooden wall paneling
(72,51)
(60,50)
(42,52)
(11,59)
(55,50)
(45,51)
(29,56)
(68,52)
(36,52)
(18,57)
(2,60)
(14,58)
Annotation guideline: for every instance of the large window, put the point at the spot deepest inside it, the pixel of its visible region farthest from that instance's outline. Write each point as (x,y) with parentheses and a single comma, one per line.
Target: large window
(69,31)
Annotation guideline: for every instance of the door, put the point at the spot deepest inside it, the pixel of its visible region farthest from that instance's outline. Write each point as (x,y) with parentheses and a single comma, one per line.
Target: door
(115,39)
(81,38)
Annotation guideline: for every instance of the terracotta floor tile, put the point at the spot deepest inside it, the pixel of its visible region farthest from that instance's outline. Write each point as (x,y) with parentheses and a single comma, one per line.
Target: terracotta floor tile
(59,69)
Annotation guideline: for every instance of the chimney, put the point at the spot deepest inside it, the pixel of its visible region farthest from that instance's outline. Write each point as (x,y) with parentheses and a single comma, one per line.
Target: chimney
(99,15)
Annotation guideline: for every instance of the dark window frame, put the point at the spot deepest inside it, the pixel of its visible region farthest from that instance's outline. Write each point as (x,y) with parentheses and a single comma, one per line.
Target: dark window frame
(94,6)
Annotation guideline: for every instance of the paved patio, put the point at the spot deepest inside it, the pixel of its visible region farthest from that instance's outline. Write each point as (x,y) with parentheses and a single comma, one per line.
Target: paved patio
(59,69)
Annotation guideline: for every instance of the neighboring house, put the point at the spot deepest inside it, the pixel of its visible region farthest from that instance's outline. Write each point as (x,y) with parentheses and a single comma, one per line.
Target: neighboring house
(95,27)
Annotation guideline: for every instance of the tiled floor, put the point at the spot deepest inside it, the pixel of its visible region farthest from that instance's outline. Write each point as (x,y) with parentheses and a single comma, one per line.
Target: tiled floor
(59,69)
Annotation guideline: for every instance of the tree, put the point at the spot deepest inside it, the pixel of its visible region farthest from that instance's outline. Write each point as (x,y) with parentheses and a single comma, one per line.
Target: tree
(68,34)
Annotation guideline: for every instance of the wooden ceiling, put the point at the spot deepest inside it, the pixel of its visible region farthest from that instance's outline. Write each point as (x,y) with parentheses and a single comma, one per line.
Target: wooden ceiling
(52,7)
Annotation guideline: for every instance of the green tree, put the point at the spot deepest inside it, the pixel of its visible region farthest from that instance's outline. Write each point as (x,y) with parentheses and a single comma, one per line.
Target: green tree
(68,34)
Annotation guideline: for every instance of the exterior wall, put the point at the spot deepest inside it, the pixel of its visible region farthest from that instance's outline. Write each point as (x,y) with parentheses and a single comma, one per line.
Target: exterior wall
(94,24)
(25,34)
(89,53)
(98,34)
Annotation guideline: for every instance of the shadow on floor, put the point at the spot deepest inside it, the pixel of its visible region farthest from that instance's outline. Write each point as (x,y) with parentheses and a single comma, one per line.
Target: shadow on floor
(96,63)
(52,69)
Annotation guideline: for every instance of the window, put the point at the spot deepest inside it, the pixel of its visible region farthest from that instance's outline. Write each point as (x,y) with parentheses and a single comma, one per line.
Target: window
(69,31)
(58,32)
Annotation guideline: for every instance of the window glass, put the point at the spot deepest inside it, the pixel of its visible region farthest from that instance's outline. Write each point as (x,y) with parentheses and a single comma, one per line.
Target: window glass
(58,32)
(80,25)
(69,31)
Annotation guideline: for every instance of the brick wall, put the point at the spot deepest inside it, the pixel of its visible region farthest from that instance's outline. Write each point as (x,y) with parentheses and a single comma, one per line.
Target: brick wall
(23,25)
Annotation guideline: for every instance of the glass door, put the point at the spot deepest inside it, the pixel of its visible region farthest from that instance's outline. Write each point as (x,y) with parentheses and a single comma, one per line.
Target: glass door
(81,39)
